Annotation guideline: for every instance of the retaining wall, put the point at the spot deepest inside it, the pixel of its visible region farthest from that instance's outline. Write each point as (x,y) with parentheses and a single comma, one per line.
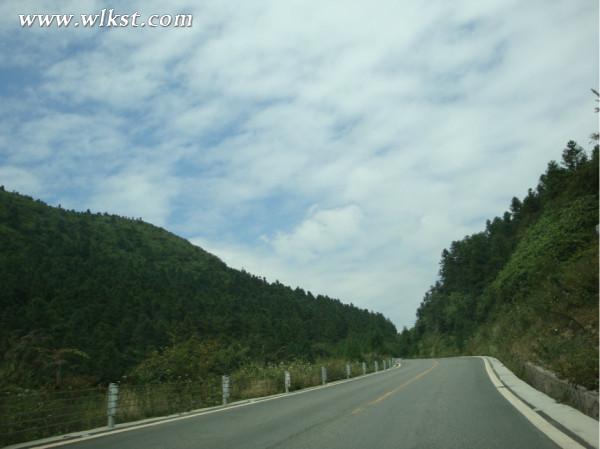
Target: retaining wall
(576,396)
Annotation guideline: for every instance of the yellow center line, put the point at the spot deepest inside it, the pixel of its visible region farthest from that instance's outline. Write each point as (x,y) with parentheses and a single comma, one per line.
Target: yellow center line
(395,390)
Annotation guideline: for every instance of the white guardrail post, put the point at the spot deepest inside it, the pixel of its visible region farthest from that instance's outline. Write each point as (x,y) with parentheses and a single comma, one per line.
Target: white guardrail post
(323,375)
(113,398)
(376,366)
(348,371)
(364,368)
(287,380)
(225,388)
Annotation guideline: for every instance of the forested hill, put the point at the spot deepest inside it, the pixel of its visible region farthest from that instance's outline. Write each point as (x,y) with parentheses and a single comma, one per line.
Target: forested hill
(90,297)
(525,288)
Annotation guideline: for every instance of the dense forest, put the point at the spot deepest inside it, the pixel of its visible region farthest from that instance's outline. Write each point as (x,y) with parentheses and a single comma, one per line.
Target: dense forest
(526,287)
(89,298)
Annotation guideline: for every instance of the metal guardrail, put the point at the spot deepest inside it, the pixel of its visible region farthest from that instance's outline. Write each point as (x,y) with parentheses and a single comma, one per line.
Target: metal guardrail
(36,414)
(32,415)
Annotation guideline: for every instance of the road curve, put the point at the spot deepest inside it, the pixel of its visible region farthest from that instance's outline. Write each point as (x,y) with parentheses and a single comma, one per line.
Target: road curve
(428,404)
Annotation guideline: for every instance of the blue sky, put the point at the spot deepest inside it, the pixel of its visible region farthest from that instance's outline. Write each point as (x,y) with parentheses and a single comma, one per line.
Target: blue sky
(339,149)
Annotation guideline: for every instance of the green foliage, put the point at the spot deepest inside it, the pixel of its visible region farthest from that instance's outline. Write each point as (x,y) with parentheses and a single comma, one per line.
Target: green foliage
(192,359)
(553,239)
(525,289)
(97,297)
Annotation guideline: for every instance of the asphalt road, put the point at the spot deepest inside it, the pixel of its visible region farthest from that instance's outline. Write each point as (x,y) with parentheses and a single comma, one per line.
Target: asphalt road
(442,403)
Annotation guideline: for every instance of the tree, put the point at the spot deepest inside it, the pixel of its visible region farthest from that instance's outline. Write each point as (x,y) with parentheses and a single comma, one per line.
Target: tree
(551,183)
(515,206)
(573,156)
(595,135)
(55,359)
(34,352)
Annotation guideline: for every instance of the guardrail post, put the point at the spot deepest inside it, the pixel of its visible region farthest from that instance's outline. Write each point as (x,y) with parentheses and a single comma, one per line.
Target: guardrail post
(364,367)
(323,375)
(384,366)
(348,371)
(113,398)
(287,381)
(225,388)
(376,366)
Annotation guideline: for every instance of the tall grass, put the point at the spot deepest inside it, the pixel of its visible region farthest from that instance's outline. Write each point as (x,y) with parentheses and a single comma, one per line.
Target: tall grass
(151,400)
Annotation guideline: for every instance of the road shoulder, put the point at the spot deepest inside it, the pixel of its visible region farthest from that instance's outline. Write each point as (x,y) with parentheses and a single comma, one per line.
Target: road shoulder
(567,419)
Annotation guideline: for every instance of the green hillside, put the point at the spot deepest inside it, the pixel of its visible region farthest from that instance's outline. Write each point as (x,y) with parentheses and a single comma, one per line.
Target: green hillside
(526,288)
(89,298)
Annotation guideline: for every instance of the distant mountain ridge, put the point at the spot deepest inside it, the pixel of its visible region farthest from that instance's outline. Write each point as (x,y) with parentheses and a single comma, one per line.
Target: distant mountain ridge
(91,296)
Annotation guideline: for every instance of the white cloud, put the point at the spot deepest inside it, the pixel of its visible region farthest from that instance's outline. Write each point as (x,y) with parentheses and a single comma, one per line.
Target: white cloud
(137,195)
(17,179)
(323,232)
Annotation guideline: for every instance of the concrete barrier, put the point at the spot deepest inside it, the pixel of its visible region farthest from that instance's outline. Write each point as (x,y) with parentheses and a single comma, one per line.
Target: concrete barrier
(584,400)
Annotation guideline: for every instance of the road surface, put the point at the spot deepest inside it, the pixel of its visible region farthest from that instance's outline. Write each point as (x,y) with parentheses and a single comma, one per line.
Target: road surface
(428,404)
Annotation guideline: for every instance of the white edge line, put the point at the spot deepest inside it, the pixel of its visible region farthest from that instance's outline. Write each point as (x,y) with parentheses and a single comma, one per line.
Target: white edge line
(560,438)
(192,414)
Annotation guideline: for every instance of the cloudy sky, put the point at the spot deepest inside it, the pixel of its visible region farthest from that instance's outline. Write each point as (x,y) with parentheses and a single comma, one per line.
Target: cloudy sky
(336,146)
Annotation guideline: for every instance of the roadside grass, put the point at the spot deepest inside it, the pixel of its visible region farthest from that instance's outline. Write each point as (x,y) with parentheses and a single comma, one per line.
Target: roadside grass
(34,414)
